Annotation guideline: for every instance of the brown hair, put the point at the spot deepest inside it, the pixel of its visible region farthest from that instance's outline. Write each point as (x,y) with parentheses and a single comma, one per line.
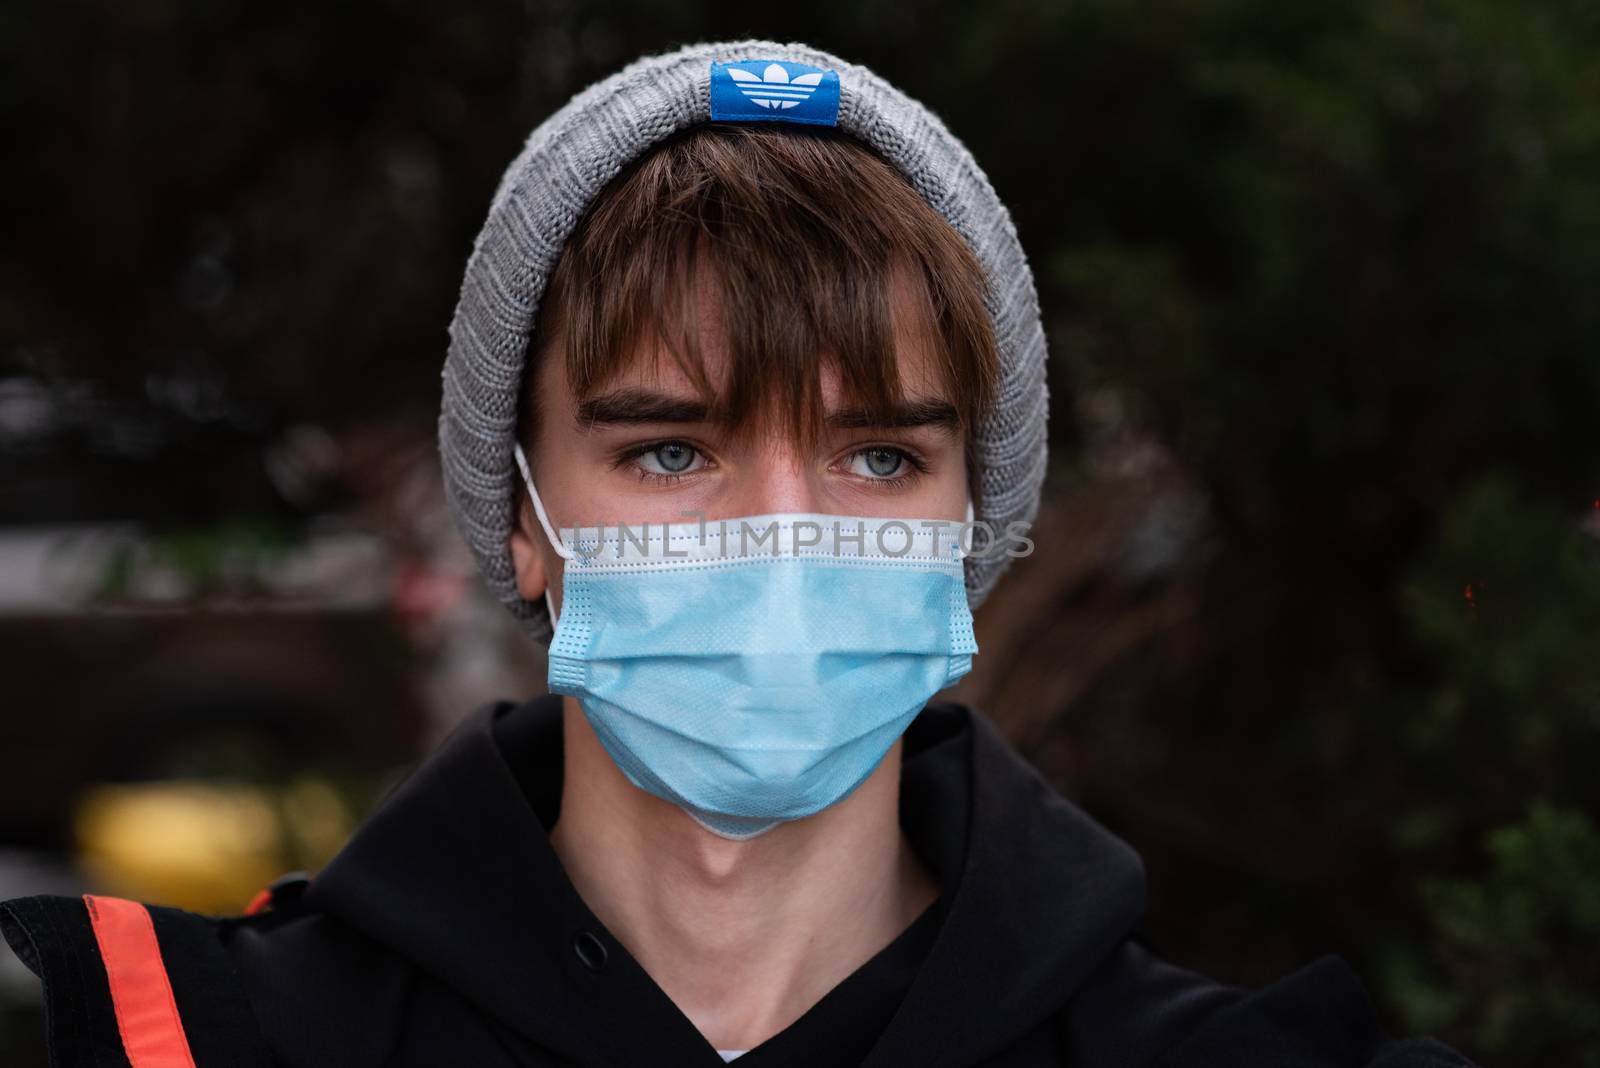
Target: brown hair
(799,230)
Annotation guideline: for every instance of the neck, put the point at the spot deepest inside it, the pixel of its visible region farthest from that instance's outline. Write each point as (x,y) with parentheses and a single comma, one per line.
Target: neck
(744,937)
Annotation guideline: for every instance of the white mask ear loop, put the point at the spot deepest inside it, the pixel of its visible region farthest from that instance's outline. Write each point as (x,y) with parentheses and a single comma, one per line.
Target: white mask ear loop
(544,521)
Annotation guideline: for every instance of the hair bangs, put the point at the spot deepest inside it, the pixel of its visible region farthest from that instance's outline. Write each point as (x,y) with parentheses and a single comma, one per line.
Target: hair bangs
(805,240)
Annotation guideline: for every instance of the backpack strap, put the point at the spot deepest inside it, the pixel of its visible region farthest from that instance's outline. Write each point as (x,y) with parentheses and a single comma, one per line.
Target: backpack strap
(141,992)
(132,985)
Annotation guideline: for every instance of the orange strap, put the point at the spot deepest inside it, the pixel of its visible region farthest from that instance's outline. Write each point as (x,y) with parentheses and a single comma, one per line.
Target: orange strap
(141,995)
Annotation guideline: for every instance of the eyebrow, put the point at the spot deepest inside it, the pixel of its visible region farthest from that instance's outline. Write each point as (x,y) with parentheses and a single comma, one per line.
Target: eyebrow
(912,414)
(622,407)
(625,407)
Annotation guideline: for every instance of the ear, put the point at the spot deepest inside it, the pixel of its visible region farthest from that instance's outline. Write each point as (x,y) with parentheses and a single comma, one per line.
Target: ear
(532,579)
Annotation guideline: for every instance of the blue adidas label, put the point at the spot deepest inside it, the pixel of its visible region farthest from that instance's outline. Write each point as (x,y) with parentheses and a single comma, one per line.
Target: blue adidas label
(773,90)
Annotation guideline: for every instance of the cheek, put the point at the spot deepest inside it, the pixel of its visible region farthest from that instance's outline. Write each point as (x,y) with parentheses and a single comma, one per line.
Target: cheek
(955,486)
(555,586)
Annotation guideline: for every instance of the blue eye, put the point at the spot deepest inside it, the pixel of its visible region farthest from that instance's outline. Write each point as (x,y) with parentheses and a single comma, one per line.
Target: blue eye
(879,462)
(674,456)
(668,458)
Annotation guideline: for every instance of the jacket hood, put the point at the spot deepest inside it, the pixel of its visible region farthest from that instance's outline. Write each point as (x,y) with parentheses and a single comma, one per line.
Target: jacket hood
(455,873)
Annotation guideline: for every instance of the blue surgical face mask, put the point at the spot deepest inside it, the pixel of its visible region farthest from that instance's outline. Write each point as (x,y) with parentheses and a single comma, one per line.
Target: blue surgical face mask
(756,670)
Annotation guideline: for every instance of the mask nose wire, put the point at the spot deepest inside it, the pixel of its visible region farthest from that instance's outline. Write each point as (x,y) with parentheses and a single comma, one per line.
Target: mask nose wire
(544,521)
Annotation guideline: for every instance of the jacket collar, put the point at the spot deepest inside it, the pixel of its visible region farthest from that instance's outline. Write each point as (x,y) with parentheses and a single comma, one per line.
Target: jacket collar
(455,873)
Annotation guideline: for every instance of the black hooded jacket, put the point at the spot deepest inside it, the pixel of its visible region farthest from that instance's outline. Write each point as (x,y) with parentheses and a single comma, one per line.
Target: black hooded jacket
(447,933)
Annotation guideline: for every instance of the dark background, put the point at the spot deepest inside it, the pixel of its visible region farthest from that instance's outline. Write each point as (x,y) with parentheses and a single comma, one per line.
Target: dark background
(1313,622)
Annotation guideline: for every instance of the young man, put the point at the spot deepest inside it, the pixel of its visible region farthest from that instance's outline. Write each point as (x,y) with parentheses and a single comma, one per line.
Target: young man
(743,413)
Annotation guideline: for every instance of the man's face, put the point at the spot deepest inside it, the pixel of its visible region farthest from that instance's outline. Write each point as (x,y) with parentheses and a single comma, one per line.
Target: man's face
(641,450)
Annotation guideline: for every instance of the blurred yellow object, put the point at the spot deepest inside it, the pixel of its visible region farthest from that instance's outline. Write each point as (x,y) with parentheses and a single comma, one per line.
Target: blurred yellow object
(207,846)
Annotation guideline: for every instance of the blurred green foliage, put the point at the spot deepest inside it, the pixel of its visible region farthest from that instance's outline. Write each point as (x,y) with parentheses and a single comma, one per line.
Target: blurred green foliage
(1339,258)
(1502,607)
(1520,969)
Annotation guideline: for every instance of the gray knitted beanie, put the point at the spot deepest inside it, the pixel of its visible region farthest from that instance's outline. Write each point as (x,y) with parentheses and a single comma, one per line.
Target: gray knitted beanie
(571,157)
